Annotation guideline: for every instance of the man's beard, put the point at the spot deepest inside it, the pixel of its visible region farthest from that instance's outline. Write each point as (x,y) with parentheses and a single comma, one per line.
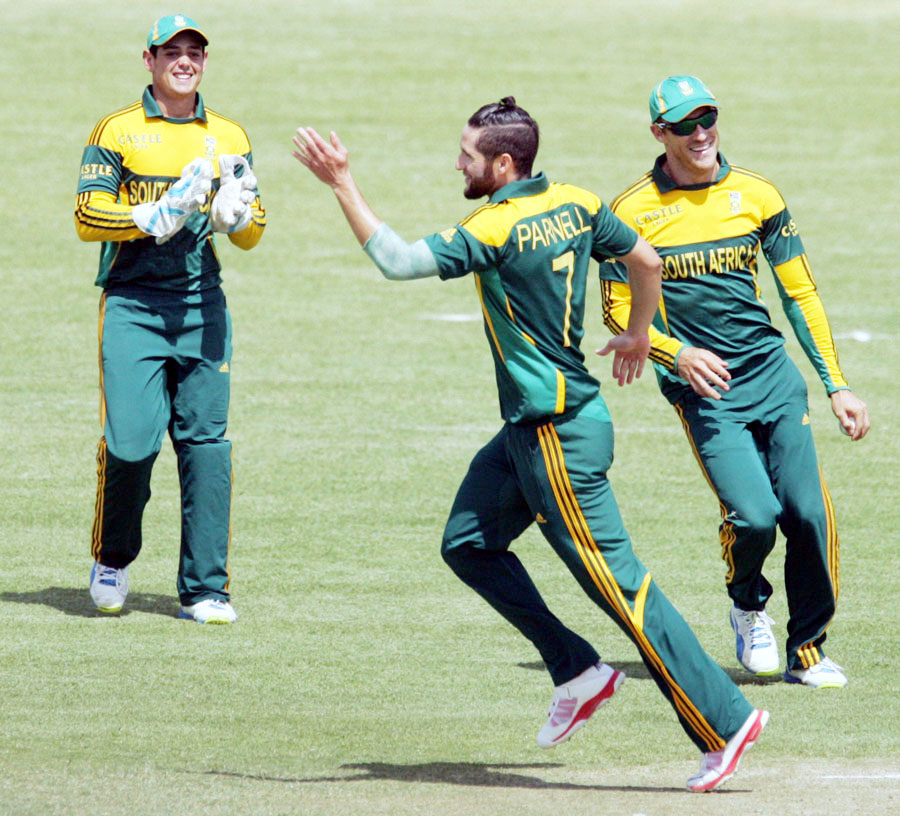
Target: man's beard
(481,186)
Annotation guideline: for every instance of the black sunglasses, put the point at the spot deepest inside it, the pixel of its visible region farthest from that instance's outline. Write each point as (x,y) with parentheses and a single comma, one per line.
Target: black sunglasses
(687,126)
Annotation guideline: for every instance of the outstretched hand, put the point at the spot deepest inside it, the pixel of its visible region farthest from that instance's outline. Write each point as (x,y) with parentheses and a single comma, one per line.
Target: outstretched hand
(330,163)
(631,352)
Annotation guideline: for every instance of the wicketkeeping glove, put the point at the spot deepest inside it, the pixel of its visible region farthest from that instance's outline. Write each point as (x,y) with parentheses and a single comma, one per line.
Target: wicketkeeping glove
(230,210)
(165,217)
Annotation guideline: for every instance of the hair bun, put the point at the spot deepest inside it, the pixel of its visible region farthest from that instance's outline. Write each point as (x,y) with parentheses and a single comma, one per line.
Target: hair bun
(508,102)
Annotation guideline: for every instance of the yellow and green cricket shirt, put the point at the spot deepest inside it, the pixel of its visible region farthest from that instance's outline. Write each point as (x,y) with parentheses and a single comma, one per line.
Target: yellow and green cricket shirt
(132,157)
(709,237)
(529,248)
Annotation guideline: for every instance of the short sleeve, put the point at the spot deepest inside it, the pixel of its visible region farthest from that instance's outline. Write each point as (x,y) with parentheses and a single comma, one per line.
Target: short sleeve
(101,169)
(457,252)
(613,238)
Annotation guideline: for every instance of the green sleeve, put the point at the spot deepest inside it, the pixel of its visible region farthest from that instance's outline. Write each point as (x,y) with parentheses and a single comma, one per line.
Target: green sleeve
(780,239)
(101,169)
(457,253)
(613,238)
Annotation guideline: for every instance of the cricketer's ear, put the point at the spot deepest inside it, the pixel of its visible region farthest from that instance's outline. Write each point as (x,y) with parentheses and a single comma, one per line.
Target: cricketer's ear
(658,133)
(503,164)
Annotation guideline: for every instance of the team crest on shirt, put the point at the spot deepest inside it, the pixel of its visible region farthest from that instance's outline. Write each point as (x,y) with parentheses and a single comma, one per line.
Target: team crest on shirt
(735,198)
(211,148)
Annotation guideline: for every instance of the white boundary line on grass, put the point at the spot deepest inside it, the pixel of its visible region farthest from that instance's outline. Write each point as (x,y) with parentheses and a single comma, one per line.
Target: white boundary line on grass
(862,776)
(454,318)
(863,336)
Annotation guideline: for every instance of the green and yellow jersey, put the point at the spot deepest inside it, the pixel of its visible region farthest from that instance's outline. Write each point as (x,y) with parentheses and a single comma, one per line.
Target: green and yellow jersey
(709,237)
(132,157)
(529,248)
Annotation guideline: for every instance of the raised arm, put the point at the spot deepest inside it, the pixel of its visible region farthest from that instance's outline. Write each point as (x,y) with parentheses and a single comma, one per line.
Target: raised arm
(330,163)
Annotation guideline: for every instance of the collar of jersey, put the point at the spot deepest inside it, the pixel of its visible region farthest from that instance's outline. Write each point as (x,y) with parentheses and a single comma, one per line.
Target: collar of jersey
(152,111)
(521,188)
(665,184)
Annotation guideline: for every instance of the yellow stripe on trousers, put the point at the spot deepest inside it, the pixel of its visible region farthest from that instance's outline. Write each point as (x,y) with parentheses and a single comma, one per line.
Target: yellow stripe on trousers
(97,529)
(606,583)
(833,543)
(808,654)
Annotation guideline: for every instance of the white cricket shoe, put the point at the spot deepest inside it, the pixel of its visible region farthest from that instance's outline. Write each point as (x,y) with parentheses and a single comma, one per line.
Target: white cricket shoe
(757,650)
(109,588)
(210,610)
(575,701)
(717,766)
(825,674)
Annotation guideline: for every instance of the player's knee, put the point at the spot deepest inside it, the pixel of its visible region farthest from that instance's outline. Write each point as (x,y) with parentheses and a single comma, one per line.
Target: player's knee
(807,511)
(758,521)
(132,448)
(809,523)
(450,552)
(460,555)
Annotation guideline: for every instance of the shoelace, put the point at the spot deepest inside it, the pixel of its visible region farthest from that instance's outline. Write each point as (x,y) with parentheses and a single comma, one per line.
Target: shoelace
(710,760)
(826,664)
(561,710)
(759,632)
(108,575)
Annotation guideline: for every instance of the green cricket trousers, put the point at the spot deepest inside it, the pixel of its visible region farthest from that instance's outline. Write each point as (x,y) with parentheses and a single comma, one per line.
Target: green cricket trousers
(755,447)
(554,473)
(165,360)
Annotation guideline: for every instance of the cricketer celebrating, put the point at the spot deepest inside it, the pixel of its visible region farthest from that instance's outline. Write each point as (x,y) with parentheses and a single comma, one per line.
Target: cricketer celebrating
(528,250)
(722,365)
(157,179)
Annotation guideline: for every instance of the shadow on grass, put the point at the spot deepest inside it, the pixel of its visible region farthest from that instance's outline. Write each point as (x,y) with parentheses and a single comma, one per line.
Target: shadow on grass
(78,602)
(469,774)
(638,671)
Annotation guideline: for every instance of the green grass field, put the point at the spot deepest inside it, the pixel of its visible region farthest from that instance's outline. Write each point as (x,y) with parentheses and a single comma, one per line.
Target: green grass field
(362,677)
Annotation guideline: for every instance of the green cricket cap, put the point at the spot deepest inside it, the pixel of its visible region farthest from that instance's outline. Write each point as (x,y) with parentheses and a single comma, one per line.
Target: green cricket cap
(675,97)
(167,27)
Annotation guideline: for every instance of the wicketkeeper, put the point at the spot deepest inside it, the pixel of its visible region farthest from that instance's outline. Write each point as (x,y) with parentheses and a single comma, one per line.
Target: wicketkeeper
(158,178)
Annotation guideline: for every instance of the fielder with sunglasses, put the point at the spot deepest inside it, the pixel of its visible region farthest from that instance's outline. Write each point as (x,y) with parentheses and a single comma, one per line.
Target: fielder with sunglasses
(722,365)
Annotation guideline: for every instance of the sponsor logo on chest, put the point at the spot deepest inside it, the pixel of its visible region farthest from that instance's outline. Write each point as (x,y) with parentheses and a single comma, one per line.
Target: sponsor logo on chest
(658,216)
(139,141)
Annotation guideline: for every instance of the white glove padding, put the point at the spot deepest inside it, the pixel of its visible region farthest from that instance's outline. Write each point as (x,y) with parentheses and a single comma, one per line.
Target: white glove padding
(230,210)
(165,217)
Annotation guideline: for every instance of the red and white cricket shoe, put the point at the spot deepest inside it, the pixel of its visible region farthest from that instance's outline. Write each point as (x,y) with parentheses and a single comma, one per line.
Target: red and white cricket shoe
(575,701)
(717,766)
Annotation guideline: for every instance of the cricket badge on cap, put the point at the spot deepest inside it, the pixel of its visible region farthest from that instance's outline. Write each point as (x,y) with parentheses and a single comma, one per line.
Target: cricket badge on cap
(677,96)
(167,27)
